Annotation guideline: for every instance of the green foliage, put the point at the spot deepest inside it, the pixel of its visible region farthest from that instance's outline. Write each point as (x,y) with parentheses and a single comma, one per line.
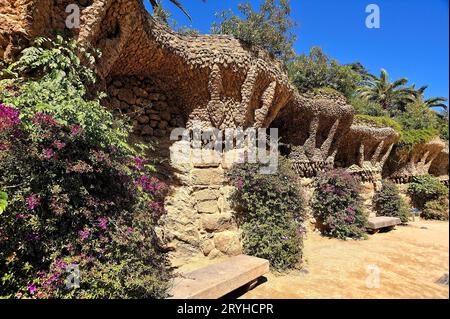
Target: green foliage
(413,137)
(417,117)
(59,88)
(78,193)
(364,107)
(436,209)
(388,202)
(336,205)
(378,121)
(391,96)
(270,213)
(269,28)
(424,189)
(56,60)
(3,201)
(317,70)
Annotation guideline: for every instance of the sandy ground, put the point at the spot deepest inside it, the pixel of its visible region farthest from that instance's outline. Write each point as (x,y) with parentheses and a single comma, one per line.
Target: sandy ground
(409,261)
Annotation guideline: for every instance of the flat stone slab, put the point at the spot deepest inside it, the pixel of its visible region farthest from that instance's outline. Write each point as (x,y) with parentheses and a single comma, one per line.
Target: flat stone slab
(217,280)
(383,222)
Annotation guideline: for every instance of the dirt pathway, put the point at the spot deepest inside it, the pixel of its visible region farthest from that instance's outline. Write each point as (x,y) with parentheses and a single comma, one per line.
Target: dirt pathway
(409,260)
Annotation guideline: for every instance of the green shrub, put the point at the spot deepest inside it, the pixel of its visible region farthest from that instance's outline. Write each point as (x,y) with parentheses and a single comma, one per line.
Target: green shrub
(270,213)
(378,121)
(413,137)
(317,70)
(424,189)
(78,194)
(436,209)
(337,205)
(388,202)
(365,107)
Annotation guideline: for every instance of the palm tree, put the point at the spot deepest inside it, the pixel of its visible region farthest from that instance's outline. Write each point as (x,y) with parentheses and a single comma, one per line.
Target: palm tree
(389,95)
(431,102)
(156,4)
(436,102)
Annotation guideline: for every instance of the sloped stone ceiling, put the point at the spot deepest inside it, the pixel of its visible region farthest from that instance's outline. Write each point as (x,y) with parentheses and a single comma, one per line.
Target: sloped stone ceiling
(192,70)
(311,128)
(405,163)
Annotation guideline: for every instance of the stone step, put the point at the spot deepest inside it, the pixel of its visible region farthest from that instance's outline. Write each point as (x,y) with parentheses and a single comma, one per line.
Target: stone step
(383,222)
(217,280)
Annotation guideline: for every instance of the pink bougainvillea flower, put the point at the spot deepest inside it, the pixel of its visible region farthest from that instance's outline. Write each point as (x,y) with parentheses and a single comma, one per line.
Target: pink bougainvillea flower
(33,201)
(59,145)
(45,119)
(151,184)
(75,129)
(84,233)
(103,223)
(240,184)
(9,117)
(139,163)
(48,153)
(31,288)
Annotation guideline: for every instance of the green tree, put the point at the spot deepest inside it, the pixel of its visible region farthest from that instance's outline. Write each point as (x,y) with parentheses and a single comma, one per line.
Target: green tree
(317,70)
(270,27)
(390,95)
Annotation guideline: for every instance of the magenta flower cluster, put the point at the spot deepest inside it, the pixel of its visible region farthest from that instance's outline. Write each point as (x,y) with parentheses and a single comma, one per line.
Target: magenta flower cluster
(44,119)
(151,185)
(33,201)
(9,117)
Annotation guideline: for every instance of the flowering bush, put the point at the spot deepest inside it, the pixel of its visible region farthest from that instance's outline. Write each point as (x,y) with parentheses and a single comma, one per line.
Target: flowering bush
(388,202)
(336,205)
(270,212)
(78,196)
(424,189)
(71,202)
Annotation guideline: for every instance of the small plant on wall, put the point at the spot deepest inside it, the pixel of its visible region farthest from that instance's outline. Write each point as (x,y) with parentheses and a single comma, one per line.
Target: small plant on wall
(388,202)
(337,205)
(270,213)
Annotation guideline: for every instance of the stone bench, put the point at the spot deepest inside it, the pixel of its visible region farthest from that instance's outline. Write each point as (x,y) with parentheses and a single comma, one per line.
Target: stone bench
(377,223)
(217,280)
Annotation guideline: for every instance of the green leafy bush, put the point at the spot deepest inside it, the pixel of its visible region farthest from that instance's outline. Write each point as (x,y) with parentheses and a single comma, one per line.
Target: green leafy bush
(424,189)
(270,213)
(269,28)
(413,137)
(436,209)
(317,70)
(388,202)
(336,205)
(365,107)
(378,121)
(78,194)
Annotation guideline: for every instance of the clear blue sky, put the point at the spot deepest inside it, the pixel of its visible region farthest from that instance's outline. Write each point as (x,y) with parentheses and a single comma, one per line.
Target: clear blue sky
(413,40)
